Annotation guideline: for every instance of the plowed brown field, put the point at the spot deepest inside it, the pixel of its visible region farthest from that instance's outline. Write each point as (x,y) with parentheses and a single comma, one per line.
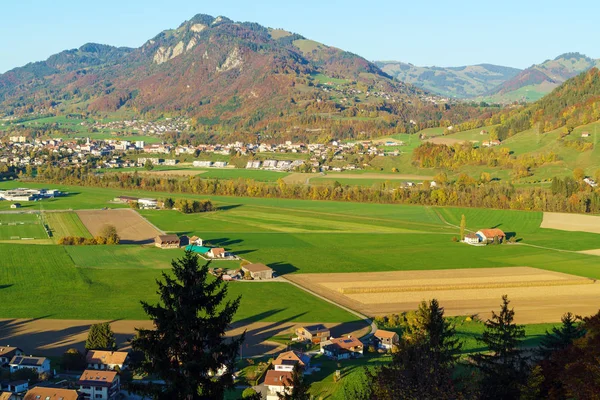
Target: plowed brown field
(131,226)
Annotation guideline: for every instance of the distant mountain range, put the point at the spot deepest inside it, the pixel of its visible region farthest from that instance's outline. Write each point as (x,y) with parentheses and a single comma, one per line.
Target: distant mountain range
(492,82)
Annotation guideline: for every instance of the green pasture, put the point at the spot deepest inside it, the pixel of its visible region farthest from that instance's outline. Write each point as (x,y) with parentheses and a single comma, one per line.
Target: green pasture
(63,224)
(238,173)
(45,282)
(15,226)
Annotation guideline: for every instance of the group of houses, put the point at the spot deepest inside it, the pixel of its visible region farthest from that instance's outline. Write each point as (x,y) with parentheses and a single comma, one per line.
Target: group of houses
(100,380)
(25,194)
(143,203)
(485,236)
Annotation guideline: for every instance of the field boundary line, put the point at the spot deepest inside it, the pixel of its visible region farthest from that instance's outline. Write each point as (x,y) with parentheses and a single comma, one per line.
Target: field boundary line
(150,223)
(370,322)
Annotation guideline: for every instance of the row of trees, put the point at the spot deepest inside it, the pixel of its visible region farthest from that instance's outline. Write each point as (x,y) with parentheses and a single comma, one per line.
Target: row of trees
(188,206)
(108,235)
(464,192)
(428,362)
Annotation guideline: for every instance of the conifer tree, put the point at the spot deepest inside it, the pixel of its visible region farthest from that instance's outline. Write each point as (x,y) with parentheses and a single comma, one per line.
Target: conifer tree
(463,226)
(561,337)
(189,342)
(503,367)
(101,337)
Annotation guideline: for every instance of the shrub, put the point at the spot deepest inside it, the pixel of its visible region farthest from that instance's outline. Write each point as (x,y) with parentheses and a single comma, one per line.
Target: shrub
(248,393)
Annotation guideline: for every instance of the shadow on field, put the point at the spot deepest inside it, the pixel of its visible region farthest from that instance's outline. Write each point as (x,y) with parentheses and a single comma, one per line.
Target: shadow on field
(224,242)
(240,252)
(5,287)
(138,242)
(283,268)
(47,337)
(229,207)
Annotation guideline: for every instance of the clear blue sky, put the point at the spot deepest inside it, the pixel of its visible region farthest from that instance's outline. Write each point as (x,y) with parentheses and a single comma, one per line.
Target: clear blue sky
(435,32)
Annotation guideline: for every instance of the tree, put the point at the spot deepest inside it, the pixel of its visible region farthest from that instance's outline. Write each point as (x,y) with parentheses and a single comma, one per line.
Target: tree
(578,174)
(298,388)
(109,233)
(251,394)
(25,374)
(463,226)
(561,337)
(148,166)
(424,362)
(503,368)
(189,339)
(101,337)
(169,203)
(73,360)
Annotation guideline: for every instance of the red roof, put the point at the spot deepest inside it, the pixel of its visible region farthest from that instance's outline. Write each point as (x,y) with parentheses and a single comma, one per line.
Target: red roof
(278,378)
(490,233)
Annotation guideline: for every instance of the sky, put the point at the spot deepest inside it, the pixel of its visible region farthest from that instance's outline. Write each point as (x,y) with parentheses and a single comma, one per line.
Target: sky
(435,32)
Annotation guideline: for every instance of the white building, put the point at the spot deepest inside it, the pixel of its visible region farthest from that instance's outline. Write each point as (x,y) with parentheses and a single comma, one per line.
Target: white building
(38,364)
(106,360)
(147,203)
(202,164)
(99,385)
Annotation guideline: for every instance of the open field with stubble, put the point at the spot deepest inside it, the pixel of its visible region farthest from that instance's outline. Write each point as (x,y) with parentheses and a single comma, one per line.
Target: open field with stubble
(570,222)
(131,227)
(538,296)
(66,223)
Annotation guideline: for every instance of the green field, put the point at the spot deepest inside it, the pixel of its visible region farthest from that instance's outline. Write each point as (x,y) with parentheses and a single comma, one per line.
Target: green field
(237,173)
(16,226)
(63,224)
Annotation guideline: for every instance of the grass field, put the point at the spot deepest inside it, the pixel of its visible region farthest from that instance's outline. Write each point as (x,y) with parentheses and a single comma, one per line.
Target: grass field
(237,173)
(15,226)
(63,224)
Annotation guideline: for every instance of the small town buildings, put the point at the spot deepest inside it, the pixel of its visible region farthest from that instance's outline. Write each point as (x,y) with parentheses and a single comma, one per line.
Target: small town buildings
(202,164)
(18,386)
(106,360)
(39,364)
(386,339)
(7,353)
(313,333)
(48,393)
(471,238)
(219,164)
(342,348)
(101,385)
(277,382)
(167,241)
(258,271)
(490,235)
(287,361)
(216,252)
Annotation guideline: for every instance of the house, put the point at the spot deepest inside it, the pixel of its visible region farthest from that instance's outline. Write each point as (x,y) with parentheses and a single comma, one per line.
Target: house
(288,360)
(313,333)
(167,241)
(585,134)
(8,396)
(101,385)
(39,364)
(147,203)
(217,252)
(18,386)
(277,382)
(106,360)
(489,235)
(195,240)
(386,339)
(590,182)
(342,348)
(471,238)
(47,393)
(258,271)
(15,205)
(126,199)
(7,353)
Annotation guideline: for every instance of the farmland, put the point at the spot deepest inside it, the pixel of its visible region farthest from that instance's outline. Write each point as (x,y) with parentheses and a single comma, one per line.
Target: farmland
(63,224)
(131,228)
(539,295)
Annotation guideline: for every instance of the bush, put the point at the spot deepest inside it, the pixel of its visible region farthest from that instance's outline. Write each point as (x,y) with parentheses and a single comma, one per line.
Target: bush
(248,393)
(73,360)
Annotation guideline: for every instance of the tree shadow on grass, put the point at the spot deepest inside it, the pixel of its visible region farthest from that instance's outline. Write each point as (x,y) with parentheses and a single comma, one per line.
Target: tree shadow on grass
(283,268)
(224,242)
(229,207)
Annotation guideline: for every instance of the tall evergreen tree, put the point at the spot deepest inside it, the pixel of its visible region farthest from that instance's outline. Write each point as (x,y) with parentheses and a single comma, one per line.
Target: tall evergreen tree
(423,365)
(189,342)
(463,226)
(561,337)
(504,367)
(101,337)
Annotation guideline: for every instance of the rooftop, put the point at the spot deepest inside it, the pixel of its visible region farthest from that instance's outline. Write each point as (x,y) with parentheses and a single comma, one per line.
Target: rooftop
(258,267)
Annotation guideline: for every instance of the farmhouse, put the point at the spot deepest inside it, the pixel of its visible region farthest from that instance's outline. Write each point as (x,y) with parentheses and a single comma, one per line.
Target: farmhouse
(258,271)
(7,353)
(471,238)
(106,360)
(15,205)
(167,241)
(47,393)
(216,252)
(342,348)
(277,382)
(585,134)
(126,199)
(288,360)
(491,235)
(313,333)
(39,364)
(101,385)
(386,339)
(195,240)
(146,203)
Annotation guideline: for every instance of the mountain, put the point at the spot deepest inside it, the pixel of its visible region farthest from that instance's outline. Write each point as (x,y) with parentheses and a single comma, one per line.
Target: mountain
(224,75)
(574,103)
(457,82)
(538,80)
